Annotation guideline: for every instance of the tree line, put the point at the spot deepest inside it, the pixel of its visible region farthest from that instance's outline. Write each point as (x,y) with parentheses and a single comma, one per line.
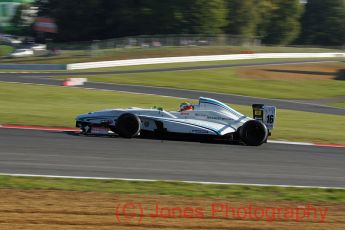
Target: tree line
(282,22)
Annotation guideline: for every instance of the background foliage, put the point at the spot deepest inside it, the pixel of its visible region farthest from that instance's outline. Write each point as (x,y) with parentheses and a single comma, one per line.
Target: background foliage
(282,22)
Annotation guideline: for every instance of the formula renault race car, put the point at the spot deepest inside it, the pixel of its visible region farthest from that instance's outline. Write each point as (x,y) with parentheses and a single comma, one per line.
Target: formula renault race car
(208,119)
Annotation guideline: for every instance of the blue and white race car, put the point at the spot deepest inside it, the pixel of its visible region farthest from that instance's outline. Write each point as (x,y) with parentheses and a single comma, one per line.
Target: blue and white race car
(208,119)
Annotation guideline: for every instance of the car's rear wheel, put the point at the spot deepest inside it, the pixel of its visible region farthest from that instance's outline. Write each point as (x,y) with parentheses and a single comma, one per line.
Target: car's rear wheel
(253,133)
(127,125)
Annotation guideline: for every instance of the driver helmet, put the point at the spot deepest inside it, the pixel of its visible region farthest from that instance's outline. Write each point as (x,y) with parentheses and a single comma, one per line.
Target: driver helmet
(186,106)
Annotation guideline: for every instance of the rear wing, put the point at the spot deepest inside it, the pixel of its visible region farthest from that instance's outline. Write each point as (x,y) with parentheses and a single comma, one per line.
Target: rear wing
(264,113)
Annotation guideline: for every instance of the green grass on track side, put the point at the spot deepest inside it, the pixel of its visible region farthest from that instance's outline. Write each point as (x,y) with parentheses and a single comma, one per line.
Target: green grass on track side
(243,192)
(4,50)
(225,80)
(58,106)
(338,104)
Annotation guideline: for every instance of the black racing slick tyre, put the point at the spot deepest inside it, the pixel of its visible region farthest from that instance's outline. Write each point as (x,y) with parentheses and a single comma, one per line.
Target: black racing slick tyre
(253,133)
(128,125)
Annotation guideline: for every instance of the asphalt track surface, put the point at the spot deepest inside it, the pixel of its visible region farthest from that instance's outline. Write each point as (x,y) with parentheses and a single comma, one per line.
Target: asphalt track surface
(191,94)
(69,154)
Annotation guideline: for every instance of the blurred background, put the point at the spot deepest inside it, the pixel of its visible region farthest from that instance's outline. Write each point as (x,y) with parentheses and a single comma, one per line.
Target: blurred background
(102,25)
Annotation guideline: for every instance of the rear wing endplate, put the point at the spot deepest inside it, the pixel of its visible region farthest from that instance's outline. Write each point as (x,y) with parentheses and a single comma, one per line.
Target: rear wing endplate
(265,114)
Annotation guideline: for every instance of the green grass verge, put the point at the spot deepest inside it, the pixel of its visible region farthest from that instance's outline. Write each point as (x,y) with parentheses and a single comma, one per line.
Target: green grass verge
(58,106)
(176,189)
(225,80)
(338,104)
(130,53)
(4,50)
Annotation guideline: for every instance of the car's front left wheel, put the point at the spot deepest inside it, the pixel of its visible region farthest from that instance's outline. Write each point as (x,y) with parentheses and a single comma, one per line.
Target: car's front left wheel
(127,125)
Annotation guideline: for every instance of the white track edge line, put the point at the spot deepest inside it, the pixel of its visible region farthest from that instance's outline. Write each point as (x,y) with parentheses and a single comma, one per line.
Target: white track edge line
(290,142)
(152,180)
